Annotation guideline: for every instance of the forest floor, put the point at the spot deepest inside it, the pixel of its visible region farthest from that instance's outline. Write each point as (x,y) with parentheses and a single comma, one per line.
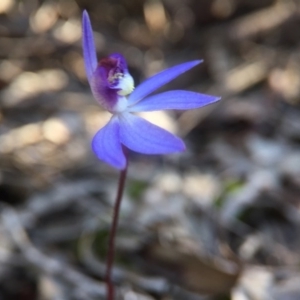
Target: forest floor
(220,221)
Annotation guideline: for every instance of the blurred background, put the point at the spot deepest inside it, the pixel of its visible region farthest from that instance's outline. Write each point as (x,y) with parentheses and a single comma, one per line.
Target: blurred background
(218,222)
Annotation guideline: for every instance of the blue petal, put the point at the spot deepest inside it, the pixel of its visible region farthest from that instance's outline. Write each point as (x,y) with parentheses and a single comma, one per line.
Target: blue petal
(107,146)
(173,100)
(141,136)
(89,50)
(158,80)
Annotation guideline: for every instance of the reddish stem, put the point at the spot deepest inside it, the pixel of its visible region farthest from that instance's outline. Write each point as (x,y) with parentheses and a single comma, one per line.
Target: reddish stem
(112,235)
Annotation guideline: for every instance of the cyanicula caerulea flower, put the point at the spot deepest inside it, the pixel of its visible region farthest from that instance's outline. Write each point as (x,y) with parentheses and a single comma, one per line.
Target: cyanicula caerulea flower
(113,88)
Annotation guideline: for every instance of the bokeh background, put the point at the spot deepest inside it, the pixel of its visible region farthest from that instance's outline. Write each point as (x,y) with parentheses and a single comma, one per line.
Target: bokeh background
(218,222)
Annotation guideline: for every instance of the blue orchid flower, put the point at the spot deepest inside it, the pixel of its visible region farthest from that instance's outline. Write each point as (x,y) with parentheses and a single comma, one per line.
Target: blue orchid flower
(113,87)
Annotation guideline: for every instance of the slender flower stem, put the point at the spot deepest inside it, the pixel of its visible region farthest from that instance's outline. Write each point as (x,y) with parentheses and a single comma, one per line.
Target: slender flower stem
(112,235)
